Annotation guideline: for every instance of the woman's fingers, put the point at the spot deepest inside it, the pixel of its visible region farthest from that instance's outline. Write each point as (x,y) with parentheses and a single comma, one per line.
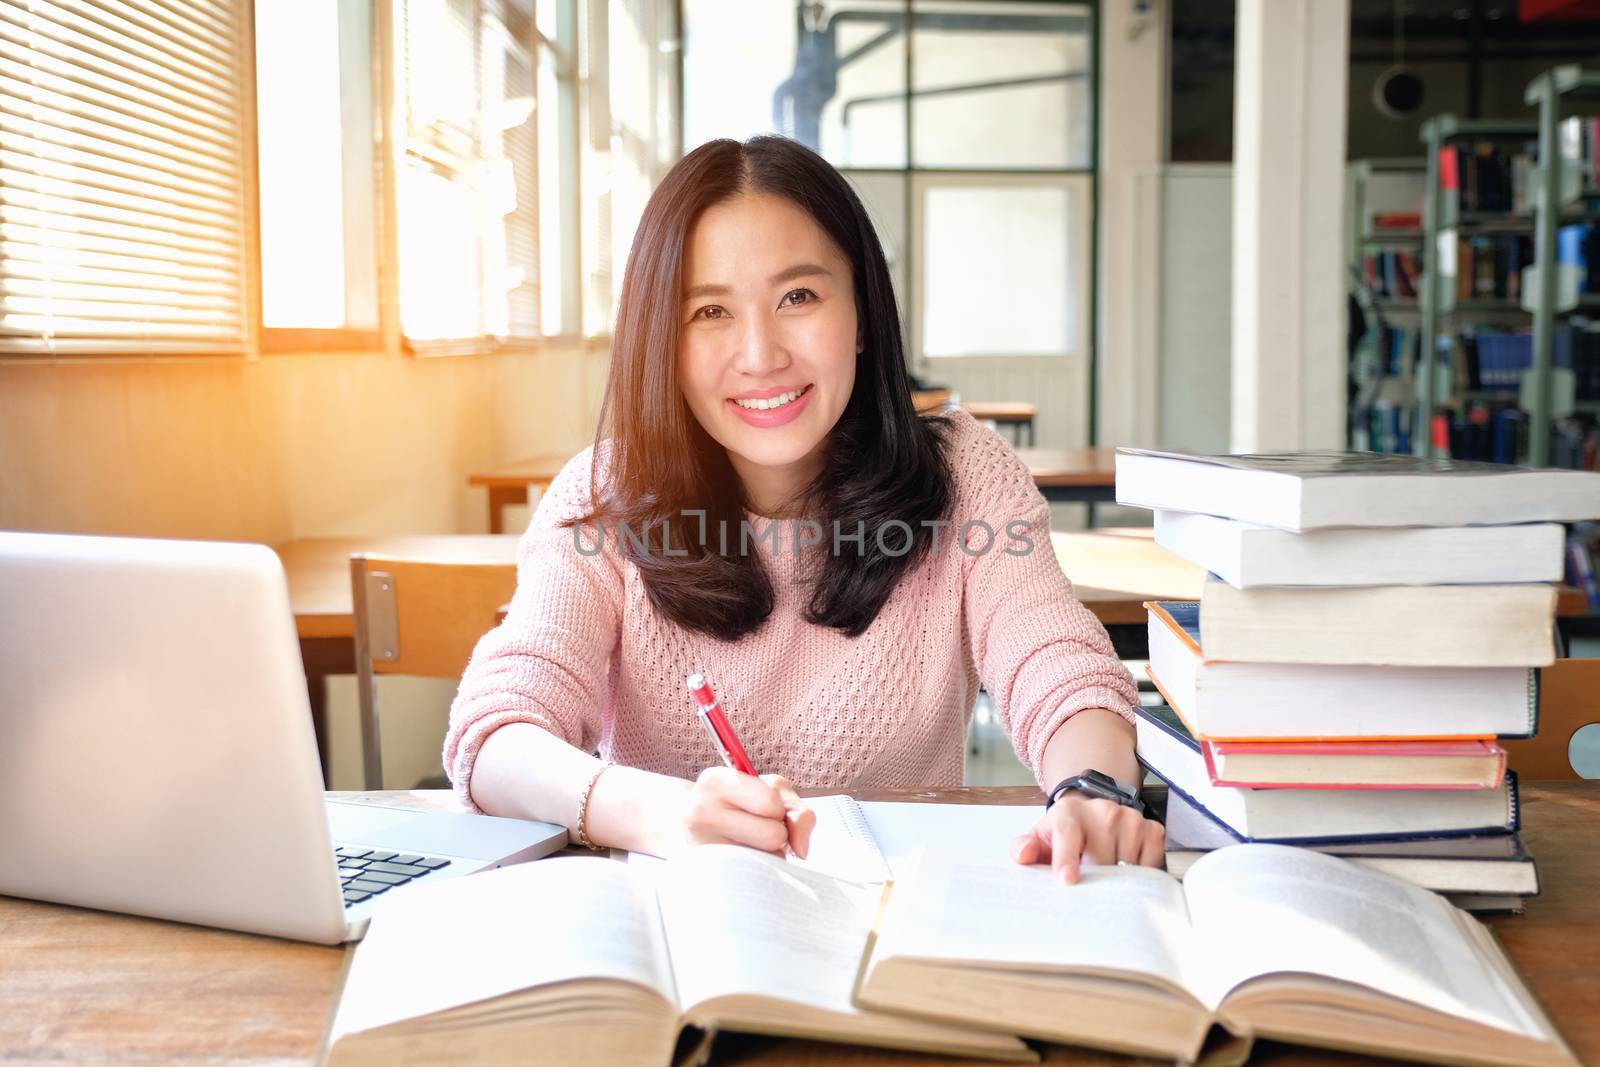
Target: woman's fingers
(1066,849)
(764,812)
(731,826)
(1078,830)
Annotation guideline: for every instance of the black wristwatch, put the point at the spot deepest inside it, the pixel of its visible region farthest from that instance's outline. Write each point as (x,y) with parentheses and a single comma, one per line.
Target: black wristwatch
(1099,785)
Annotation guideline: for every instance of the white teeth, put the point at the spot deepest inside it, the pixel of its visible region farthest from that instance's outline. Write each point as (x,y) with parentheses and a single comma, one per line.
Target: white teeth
(772,402)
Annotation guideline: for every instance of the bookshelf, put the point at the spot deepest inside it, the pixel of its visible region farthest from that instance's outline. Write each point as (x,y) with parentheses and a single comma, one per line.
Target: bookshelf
(1565,193)
(1444,222)
(1383,251)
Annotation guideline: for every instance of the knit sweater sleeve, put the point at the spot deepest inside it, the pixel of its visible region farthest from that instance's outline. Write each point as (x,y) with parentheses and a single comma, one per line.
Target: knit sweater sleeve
(546,663)
(1040,653)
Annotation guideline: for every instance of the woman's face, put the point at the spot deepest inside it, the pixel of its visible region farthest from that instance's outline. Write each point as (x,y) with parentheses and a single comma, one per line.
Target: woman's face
(767,338)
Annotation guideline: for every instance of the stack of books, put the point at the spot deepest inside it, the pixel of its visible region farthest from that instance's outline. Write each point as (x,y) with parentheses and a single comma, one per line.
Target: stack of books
(1369,627)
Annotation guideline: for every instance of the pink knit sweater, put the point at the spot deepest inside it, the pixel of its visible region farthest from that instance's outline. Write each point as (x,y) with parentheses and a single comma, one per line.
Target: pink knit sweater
(584,655)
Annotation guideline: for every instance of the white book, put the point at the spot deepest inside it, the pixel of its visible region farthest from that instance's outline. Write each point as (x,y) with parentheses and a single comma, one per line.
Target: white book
(588,960)
(1229,701)
(1263,940)
(1311,490)
(1390,625)
(1246,555)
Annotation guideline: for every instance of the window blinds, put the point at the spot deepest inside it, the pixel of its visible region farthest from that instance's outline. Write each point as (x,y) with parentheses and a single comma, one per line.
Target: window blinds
(123,162)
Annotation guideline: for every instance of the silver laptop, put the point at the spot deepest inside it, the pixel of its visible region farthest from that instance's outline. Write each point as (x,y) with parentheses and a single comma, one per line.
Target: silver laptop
(157,755)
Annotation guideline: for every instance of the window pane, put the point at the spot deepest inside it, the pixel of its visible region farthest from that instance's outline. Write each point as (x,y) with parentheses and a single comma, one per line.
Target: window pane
(1001,85)
(510,245)
(313,123)
(1002,272)
(831,75)
(556,121)
(885,198)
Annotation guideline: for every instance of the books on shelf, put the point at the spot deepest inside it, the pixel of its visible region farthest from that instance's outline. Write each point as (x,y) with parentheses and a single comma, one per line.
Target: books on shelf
(1310,490)
(1582,572)
(1576,138)
(1490,865)
(1225,701)
(1486,177)
(1392,274)
(1264,941)
(1386,625)
(1172,754)
(1245,555)
(590,960)
(1487,267)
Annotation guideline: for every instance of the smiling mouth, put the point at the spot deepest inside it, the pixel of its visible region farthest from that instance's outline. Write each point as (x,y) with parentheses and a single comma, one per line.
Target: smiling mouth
(781,400)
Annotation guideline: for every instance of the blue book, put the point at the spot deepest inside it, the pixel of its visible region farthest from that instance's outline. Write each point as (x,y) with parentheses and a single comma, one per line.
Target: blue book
(1306,816)
(1477,864)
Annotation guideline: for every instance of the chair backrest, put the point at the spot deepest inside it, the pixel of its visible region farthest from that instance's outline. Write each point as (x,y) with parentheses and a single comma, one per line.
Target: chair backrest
(418,617)
(930,401)
(1569,699)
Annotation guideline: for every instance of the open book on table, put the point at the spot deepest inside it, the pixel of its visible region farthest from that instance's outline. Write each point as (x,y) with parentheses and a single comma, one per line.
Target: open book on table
(585,960)
(1264,940)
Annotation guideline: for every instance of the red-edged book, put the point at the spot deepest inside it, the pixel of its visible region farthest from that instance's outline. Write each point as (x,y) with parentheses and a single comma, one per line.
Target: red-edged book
(1355,765)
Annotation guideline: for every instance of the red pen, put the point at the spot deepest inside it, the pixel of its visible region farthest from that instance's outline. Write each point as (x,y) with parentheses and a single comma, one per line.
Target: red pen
(723,739)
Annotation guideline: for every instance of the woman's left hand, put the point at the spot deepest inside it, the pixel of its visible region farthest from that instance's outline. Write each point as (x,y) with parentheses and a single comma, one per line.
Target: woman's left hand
(1100,831)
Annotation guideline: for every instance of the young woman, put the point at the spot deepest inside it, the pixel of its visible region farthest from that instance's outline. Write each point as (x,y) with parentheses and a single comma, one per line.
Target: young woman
(764,505)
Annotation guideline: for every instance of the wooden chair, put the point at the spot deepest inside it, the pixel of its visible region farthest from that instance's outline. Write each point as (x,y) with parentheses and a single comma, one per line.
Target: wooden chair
(417,617)
(1569,699)
(930,401)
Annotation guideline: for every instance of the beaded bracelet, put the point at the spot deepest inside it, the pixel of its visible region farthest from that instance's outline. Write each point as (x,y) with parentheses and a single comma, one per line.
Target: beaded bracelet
(583,809)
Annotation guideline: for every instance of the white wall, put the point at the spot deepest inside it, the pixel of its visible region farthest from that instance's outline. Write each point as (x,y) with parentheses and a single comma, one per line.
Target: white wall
(1195,308)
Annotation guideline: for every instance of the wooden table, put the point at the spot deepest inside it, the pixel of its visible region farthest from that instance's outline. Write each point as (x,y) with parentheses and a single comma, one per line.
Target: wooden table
(1115,572)
(83,986)
(318,569)
(510,484)
(1015,415)
(1073,475)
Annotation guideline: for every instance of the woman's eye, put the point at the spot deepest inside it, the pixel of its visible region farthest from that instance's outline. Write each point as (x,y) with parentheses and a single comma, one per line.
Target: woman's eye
(799,292)
(707,312)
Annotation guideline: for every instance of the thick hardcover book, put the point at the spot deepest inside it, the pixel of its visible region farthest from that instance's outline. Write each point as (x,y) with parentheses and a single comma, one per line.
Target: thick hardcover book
(575,960)
(1393,625)
(1483,864)
(1355,764)
(1295,816)
(1223,701)
(1310,490)
(1261,940)
(1246,555)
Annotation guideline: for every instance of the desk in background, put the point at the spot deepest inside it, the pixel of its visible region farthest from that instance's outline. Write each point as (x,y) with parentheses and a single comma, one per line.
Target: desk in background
(1063,475)
(1016,416)
(318,570)
(509,484)
(86,986)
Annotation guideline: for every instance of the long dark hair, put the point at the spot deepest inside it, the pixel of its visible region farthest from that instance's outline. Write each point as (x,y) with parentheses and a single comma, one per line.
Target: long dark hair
(882,462)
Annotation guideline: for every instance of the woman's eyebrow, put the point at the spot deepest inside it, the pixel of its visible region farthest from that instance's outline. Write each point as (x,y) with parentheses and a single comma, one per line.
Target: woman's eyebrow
(788,274)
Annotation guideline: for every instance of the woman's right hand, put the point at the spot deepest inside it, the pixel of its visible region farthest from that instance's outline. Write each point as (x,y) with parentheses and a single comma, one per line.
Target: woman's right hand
(724,806)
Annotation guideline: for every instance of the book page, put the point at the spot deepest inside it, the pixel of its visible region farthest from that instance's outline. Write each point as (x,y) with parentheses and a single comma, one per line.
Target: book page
(465,940)
(739,921)
(1123,918)
(1260,909)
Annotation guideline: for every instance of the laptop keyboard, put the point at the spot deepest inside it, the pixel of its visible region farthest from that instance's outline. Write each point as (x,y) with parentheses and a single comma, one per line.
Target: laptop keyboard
(366,872)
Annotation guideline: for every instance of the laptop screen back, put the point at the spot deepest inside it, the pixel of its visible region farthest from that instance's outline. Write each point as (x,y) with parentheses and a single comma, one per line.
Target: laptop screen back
(158,756)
